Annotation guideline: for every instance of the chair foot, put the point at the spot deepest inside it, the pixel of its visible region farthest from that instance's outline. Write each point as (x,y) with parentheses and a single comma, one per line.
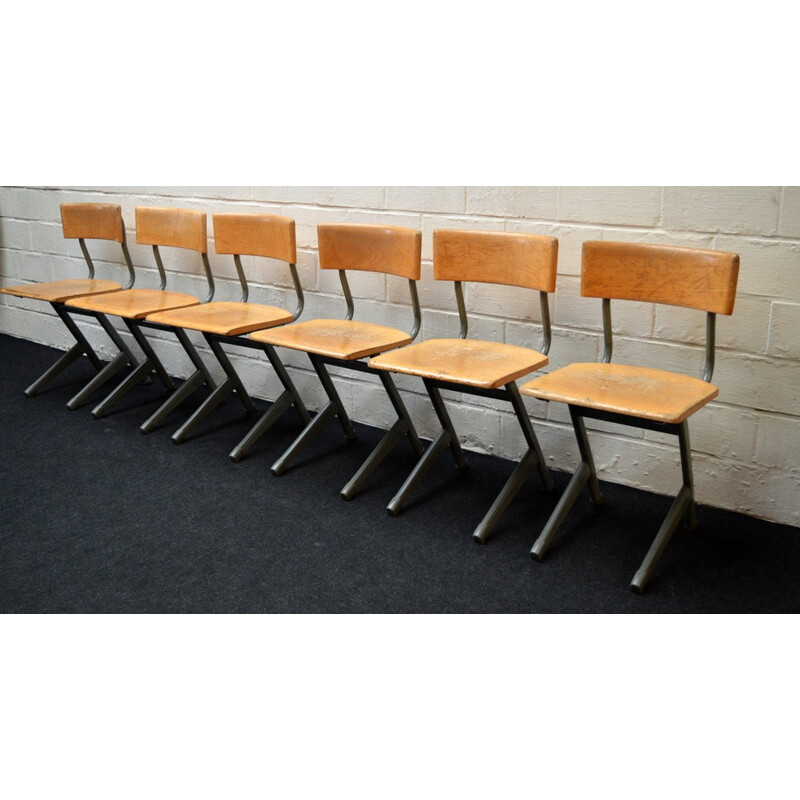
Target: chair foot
(72,355)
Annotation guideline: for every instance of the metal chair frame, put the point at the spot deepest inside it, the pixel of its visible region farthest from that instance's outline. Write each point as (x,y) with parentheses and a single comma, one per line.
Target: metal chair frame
(447,436)
(683,508)
(402,428)
(82,345)
(151,362)
(232,382)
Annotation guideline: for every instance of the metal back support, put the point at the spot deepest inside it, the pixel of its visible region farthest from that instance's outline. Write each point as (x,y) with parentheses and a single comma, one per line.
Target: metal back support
(412,290)
(125,253)
(206,269)
(298,288)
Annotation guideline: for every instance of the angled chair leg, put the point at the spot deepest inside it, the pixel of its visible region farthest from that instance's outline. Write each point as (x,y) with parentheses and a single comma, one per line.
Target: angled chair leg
(402,428)
(81,347)
(124,357)
(585,474)
(532,460)
(682,508)
(200,377)
(73,354)
(216,397)
(334,408)
(289,397)
(447,437)
(147,349)
(233,376)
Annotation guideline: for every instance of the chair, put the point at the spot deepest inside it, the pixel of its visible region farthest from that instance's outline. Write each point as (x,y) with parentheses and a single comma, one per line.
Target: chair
(346,342)
(484,368)
(167,227)
(227,322)
(641,397)
(82,221)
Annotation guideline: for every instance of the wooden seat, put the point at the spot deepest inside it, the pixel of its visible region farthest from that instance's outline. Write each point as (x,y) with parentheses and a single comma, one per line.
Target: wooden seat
(225,322)
(386,249)
(158,227)
(642,392)
(484,368)
(637,396)
(224,318)
(336,338)
(134,303)
(60,291)
(470,362)
(82,221)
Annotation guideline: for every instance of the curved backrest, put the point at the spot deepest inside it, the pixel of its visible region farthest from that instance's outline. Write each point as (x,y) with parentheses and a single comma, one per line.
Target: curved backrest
(255,235)
(515,259)
(92,221)
(375,248)
(172,227)
(677,276)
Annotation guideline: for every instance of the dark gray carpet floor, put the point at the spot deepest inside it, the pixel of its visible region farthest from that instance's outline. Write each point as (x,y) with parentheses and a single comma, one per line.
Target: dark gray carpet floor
(96,517)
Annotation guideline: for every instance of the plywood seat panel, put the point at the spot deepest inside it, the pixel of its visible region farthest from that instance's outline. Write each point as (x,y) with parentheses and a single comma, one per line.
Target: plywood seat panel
(59,291)
(135,303)
(471,362)
(642,392)
(337,338)
(224,318)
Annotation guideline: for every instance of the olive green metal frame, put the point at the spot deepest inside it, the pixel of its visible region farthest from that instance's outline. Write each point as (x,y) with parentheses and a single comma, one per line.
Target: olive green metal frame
(217,394)
(150,363)
(82,345)
(684,506)
(447,436)
(403,428)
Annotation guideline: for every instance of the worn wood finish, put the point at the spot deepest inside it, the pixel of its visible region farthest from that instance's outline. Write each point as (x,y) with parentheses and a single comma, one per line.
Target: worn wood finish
(641,392)
(338,338)
(255,235)
(470,362)
(224,318)
(514,259)
(678,276)
(172,227)
(134,303)
(92,221)
(59,291)
(375,248)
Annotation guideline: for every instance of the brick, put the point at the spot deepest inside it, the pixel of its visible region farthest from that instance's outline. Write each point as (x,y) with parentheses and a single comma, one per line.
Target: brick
(432,293)
(745,330)
(723,431)
(778,442)
(283,194)
(686,360)
(14,234)
(789,221)
(350,196)
(611,205)
(510,302)
(758,383)
(446,199)
(767,268)
(533,202)
(723,209)
(784,335)
(34,204)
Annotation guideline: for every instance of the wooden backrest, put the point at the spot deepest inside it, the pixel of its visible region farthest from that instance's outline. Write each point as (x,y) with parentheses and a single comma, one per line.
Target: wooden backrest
(376,248)
(92,221)
(677,276)
(514,259)
(255,235)
(172,227)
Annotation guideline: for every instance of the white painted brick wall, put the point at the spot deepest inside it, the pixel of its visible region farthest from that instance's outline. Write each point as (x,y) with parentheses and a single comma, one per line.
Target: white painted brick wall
(746,443)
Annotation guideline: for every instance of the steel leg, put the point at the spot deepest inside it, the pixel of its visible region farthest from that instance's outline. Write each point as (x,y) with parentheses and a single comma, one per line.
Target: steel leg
(233,376)
(288,385)
(155,363)
(102,377)
(421,469)
(584,474)
(509,491)
(333,396)
(78,335)
(186,389)
(309,433)
(403,428)
(73,354)
(682,508)
(267,420)
(530,435)
(133,379)
(206,407)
